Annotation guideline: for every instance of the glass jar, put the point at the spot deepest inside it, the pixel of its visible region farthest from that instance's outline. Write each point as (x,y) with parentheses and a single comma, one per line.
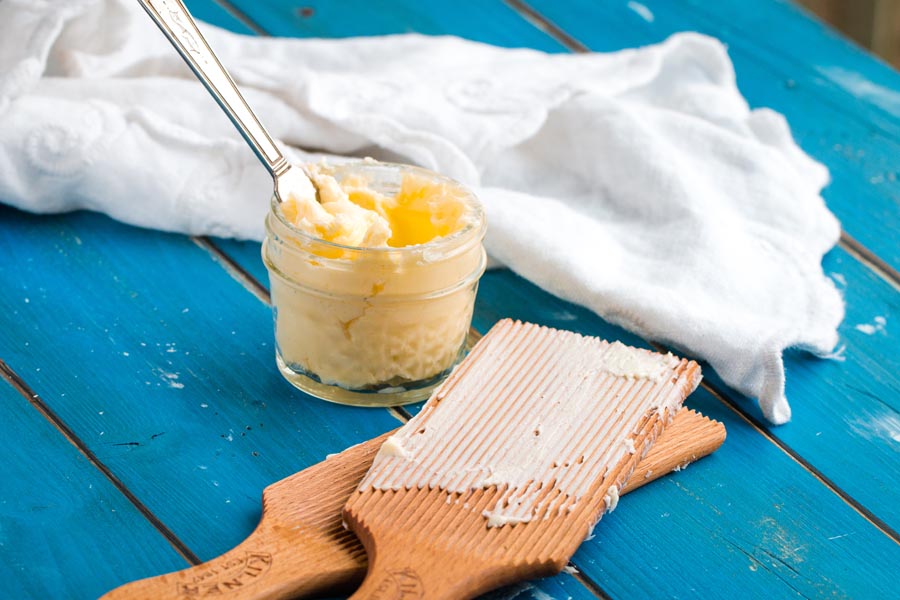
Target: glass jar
(376,326)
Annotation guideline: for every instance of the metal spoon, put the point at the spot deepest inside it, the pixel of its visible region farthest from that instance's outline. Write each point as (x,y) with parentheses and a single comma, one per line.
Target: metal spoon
(179,27)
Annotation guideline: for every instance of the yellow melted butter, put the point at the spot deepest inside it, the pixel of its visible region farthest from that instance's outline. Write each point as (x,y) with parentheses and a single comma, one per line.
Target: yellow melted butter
(351,213)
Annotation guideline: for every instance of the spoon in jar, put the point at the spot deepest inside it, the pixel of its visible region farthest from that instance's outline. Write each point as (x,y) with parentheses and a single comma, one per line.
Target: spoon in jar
(173,18)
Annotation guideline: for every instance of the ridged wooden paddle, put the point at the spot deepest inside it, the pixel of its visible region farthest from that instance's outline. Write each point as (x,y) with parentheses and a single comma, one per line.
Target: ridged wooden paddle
(511,462)
(301,550)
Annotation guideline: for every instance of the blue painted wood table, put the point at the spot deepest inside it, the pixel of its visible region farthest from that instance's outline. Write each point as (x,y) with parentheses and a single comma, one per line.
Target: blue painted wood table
(142,415)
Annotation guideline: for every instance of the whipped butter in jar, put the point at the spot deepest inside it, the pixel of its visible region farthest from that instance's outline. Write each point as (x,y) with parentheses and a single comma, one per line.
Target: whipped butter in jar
(373,286)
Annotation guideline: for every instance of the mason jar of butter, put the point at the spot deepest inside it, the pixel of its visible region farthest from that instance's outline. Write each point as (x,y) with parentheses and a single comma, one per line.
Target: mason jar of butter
(373,284)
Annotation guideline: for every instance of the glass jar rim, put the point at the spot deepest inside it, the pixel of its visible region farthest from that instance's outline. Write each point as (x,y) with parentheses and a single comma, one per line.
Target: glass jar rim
(416,296)
(474,208)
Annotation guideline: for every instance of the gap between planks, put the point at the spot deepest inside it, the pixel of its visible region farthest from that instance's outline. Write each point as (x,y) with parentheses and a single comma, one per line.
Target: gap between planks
(868,259)
(241,16)
(233,268)
(16,381)
(764,431)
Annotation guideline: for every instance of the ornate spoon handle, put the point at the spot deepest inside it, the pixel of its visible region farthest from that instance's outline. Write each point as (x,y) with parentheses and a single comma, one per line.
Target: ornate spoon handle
(173,18)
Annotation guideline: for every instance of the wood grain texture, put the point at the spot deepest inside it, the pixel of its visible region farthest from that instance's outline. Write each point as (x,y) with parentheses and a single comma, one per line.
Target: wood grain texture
(300,548)
(434,541)
(59,517)
(748,518)
(689,437)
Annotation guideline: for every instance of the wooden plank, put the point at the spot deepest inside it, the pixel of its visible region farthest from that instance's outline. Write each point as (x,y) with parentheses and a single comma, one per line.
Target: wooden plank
(63,525)
(164,366)
(843,105)
(747,518)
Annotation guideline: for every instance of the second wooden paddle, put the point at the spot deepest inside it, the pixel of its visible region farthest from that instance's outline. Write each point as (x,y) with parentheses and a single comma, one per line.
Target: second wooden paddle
(301,550)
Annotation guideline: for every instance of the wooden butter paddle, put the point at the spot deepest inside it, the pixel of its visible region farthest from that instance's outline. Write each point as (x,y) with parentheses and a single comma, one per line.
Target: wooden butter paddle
(512,461)
(301,550)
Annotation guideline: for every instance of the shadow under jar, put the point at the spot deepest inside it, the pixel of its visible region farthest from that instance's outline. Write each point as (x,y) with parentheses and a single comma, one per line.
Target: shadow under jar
(374,326)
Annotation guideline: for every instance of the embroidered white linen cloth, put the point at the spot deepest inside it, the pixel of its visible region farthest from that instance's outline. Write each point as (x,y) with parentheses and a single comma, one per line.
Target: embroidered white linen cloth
(636,183)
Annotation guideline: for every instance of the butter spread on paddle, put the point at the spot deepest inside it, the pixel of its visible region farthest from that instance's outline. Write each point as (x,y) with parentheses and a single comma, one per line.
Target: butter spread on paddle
(478,429)
(393,446)
(611,499)
(633,363)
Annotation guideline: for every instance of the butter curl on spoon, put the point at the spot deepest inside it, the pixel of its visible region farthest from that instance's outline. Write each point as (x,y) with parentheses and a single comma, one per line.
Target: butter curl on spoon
(173,18)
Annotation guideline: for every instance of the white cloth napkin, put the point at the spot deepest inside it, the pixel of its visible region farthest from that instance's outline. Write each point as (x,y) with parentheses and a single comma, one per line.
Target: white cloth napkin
(636,183)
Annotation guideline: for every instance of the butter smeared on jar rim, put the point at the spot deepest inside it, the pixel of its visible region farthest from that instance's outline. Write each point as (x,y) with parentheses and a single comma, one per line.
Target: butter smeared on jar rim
(350,213)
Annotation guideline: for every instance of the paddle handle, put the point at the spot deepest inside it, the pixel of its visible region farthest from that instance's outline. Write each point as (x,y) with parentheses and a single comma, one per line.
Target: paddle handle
(256,569)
